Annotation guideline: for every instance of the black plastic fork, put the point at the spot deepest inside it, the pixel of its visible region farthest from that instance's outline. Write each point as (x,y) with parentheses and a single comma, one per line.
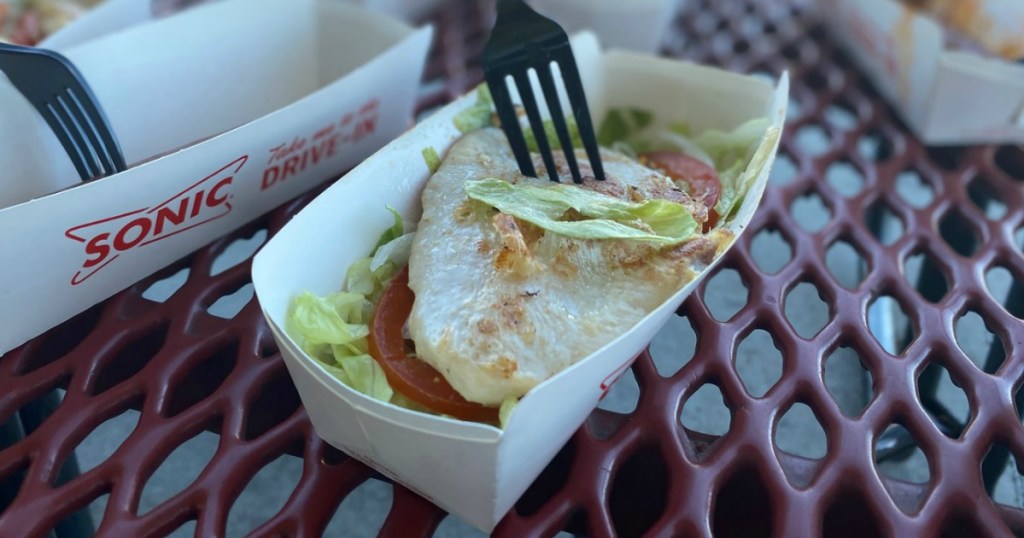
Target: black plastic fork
(524,40)
(57,91)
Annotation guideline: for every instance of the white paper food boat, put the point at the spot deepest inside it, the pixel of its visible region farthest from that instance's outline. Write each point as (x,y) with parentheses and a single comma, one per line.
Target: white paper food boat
(224,112)
(474,470)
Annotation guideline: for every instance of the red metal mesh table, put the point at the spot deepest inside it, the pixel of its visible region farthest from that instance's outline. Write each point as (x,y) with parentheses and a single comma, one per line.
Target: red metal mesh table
(187,371)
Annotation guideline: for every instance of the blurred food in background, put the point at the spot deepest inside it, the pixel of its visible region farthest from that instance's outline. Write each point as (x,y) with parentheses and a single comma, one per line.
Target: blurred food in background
(993,25)
(27,22)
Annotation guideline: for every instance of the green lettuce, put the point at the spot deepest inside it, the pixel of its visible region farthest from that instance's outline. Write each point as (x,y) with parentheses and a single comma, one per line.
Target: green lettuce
(478,115)
(552,135)
(659,222)
(334,330)
(737,155)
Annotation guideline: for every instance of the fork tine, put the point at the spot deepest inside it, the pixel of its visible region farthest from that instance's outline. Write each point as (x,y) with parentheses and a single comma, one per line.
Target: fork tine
(93,149)
(522,79)
(59,128)
(578,99)
(547,83)
(102,128)
(99,150)
(510,122)
(77,132)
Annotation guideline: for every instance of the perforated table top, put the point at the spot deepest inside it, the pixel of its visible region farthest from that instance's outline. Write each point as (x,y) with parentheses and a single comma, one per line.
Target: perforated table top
(932,269)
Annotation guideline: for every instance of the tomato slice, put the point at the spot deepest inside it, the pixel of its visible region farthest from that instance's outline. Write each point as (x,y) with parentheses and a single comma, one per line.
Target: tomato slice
(701,178)
(411,377)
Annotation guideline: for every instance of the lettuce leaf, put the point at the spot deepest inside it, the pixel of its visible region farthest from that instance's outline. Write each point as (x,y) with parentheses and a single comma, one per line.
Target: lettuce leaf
(477,116)
(658,222)
(552,135)
(505,411)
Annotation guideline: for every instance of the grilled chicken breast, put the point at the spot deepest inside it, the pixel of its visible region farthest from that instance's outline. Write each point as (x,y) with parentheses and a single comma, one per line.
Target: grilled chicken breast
(501,305)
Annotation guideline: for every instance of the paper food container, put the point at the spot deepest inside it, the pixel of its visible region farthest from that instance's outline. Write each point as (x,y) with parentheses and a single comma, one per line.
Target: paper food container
(638,25)
(226,111)
(474,470)
(947,96)
(407,10)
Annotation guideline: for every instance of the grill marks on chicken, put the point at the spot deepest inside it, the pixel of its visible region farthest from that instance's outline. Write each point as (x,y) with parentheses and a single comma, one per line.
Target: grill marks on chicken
(501,305)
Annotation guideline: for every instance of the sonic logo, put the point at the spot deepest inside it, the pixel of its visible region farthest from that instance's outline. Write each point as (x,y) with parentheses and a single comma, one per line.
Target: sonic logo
(106,239)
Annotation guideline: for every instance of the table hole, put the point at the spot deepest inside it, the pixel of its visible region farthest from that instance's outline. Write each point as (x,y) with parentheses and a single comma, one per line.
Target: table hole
(848,380)
(947,158)
(816,80)
(959,233)
(784,170)
(673,347)
(771,251)
(806,311)
(944,399)
(725,294)
(1002,476)
(741,47)
(548,484)
(275,402)
(706,412)
(842,116)
(743,506)
(130,360)
(846,264)
(265,494)
(770,28)
(1007,290)
(639,492)
(885,225)
(845,178)
(813,140)
(202,380)
(10,483)
(913,190)
(365,508)
(228,306)
(165,288)
(799,433)
(926,275)
(30,416)
(792,52)
(898,456)
(758,363)
(1010,159)
(180,469)
(623,395)
(976,340)
(811,212)
(100,444)
(86,516)
(794,109)
(59,341)
(987,198)
(890,325)
(875,146)
(850,514)
(237,252)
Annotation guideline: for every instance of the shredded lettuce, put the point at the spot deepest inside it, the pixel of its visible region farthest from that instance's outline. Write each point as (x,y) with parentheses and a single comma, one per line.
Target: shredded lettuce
(505,411)
(432,159)
(552,135)
(333,330)
(477,116)
(737,155)
(659,222)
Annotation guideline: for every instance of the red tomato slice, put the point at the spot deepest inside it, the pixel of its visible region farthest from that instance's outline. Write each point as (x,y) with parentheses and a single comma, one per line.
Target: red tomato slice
(411,377)
(701,178)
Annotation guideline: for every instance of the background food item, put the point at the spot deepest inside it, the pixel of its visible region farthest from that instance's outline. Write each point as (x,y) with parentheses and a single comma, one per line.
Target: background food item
(995,25)
(27,22)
